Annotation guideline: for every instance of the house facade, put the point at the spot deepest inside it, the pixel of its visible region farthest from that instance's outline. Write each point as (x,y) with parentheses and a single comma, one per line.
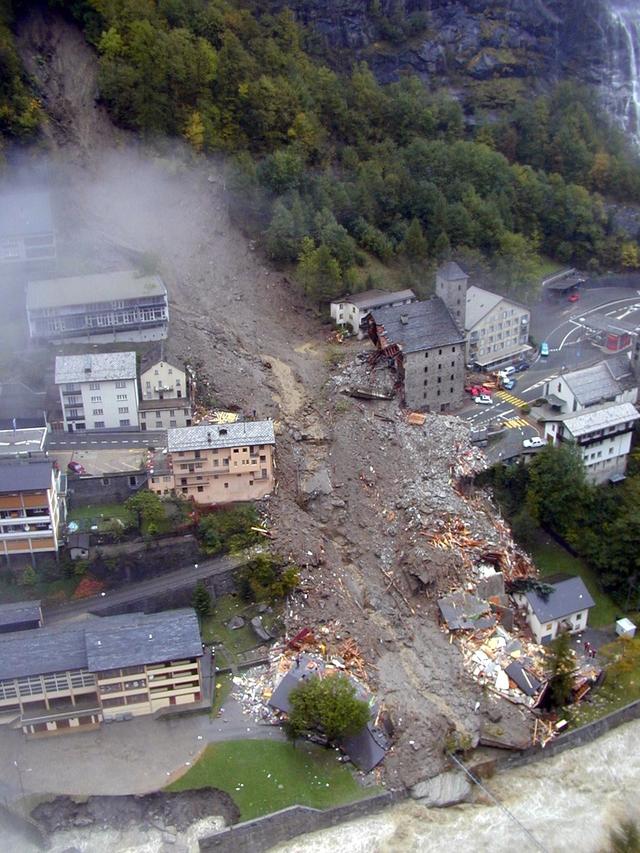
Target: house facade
(32,508)
(117,667)
(566,608)
(219,463)
(496,328)
(165,401)
(426,349)
(116,306)
(603,435)
(351,310)
(98,391)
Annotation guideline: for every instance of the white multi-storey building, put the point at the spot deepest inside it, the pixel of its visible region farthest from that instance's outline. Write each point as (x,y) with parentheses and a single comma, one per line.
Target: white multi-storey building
(595,411)
(98,390)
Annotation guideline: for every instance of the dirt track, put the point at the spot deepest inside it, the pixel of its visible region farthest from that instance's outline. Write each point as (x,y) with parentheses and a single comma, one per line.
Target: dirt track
(353,486)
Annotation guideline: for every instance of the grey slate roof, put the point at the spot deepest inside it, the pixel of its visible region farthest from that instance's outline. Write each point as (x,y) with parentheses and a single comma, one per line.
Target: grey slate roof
(620,367)
(526,681)
(25,213)
(463,611)
(220,435)
(89,289)
(451,271)
(24,476)
(95,367)
(19,611)
(169,635)
(592,385)
(101,643)
(420,325)
(569,595)
(42,650)
(376,298)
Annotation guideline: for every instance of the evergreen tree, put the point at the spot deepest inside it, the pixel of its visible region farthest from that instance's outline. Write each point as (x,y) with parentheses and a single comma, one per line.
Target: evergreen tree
(561,662)
(201,601)
(415,245)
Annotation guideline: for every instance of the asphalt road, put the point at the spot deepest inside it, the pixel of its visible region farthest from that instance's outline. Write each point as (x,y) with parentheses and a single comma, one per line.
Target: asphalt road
(57,614)
(107,440)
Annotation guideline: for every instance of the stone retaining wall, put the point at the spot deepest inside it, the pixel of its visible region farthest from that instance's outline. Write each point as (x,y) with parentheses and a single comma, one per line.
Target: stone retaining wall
(253,836)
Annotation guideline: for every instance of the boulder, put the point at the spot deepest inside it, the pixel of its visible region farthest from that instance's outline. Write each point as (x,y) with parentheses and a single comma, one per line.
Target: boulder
(447,789)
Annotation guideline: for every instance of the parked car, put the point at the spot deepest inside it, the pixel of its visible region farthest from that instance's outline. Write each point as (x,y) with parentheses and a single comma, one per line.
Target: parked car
(507,371)
(508,384)
(573,297)
(536,441)
(483,399)
(544,348)
(523,365)
(472,389)
(76,467)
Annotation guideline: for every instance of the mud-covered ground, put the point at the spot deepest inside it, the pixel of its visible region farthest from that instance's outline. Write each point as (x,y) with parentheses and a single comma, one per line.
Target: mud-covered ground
(357,486)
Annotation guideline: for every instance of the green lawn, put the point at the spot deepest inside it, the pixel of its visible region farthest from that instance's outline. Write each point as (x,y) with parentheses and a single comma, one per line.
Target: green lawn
(551,558)
(621,685)
(100,515)
(263,776)
(224,683)
(59,589)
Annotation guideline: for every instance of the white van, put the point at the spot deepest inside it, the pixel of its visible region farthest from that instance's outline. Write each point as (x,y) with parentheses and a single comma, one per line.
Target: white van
(506,372)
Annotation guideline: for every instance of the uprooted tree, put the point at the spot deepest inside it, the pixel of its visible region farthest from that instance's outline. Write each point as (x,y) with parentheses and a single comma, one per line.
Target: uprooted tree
(328,705)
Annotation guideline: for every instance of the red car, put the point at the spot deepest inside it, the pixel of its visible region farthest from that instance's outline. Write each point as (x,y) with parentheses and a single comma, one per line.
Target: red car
(573,297)
(76,467)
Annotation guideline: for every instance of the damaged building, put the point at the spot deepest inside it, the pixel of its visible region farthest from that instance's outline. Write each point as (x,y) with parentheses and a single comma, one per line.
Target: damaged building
(423,345)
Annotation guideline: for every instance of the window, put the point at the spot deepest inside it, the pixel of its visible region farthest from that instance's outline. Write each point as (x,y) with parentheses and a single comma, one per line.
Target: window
(133,480)
(125,422)
(143,415)
(155,372)
(439,352)
(453,349)
(173,424)
(171,371)
(201,488)
(98,411)
(121,396)
(94,386)
(226,485)
(148,384)
(96,399)
(121,384)
(426,355)
(98,425)
(123,410)
(183,481)
(264,473)
(105,481)
(172,413)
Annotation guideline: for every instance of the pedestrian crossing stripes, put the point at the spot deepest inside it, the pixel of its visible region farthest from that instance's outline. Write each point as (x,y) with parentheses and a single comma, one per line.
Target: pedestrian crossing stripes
(514,423)
(509,398)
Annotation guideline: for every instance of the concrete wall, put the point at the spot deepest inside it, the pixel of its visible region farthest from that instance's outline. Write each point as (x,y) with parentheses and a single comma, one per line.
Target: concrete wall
(424,369)
(111,488)
(262,833)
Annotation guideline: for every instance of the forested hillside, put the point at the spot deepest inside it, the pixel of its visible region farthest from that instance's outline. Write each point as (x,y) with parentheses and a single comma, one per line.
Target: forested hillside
(334,171)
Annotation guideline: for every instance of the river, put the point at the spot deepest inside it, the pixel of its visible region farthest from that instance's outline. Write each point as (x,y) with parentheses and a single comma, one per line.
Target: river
(568,802)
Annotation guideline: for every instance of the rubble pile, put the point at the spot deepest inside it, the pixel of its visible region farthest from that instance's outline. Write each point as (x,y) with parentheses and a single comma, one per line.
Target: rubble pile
(357,377)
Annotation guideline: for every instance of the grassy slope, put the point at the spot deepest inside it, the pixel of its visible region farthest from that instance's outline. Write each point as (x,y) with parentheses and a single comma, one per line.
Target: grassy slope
(552,559)
(263,776)
(622,683)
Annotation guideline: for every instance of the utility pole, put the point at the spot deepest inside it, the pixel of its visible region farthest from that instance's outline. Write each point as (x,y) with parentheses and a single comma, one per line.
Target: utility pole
(17,766)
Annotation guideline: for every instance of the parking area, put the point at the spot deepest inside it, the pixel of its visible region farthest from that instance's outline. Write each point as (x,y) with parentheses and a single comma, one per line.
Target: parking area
(98,463)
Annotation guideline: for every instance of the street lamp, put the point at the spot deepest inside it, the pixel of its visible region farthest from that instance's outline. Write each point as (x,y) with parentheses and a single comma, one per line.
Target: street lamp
(17,766)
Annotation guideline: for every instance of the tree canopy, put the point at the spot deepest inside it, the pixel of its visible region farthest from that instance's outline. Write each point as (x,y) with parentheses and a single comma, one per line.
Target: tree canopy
(328,705)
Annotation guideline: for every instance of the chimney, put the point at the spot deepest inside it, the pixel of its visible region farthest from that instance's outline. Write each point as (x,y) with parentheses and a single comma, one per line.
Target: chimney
(404,319)
(209,438)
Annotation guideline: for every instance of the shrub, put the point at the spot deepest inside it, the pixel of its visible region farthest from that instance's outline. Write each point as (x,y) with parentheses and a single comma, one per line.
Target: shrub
(328,705)
(263,579)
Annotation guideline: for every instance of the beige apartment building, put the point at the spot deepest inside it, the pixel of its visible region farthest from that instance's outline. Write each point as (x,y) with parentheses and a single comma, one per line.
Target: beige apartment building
(219,463)
(115,667)
(165,397)
(496,328)
(32,508)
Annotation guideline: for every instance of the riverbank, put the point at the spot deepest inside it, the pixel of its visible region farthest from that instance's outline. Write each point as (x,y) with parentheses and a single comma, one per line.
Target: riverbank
(570,799)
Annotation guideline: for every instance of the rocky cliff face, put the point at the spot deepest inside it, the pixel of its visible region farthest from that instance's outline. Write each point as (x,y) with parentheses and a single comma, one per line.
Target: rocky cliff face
(455,41)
